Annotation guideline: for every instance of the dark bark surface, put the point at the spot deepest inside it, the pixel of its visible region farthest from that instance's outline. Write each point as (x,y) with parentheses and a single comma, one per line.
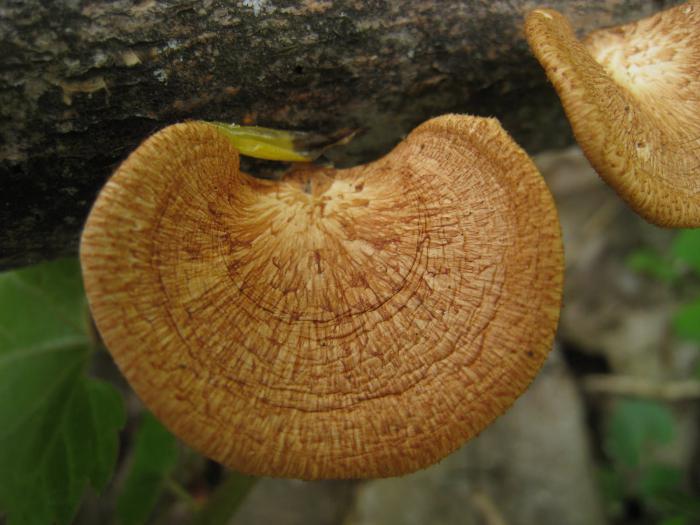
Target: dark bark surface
(83,82)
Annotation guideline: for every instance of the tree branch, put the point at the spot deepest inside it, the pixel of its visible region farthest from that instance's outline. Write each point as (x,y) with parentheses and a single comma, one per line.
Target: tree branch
(82,83)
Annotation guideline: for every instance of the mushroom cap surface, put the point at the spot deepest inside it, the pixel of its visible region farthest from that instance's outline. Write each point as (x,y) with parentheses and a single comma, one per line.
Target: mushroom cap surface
(356,323)
(632,96)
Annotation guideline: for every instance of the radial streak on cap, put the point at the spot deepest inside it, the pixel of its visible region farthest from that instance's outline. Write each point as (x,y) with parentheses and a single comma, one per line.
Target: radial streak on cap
(338,324)
(632,95)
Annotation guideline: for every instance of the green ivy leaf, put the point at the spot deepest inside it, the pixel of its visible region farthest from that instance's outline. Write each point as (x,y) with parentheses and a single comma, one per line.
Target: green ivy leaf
(635,428)
(686,321)
(59,427)
(686,247)
(154,457)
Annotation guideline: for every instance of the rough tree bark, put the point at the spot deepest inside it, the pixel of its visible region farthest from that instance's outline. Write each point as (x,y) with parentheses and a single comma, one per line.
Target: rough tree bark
(83,82)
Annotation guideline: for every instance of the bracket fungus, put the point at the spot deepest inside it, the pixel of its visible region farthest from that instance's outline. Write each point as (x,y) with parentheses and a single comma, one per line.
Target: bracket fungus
(632,96)
(351,323)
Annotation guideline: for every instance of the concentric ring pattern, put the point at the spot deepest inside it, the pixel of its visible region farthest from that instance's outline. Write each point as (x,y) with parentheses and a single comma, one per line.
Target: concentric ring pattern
(337,324)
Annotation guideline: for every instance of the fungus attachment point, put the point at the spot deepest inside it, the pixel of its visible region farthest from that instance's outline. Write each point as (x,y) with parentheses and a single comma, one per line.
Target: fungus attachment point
(632,96)
(337,324)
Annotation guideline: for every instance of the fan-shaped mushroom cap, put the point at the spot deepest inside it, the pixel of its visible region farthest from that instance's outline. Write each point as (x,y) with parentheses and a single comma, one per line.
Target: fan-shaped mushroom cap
(632,95)
(338,324)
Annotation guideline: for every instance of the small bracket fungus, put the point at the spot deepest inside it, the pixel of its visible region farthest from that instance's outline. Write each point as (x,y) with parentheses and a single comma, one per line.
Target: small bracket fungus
(632,95)
(355,323)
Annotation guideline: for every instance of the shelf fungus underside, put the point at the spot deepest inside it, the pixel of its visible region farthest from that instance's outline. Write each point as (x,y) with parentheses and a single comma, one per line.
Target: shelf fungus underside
(336,324)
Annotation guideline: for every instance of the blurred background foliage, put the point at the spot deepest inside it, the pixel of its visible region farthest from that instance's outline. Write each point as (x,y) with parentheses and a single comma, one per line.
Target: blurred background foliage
(680,269)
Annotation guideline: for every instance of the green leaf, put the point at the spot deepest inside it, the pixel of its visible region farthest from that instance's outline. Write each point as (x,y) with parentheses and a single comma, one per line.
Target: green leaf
(154,457)
(676,520)
(686,321)
(109,416)
(649,262)
(686,247)
(678,504)
(59,428)
(635,428)
(225,501)
(658,481)
(662,487)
